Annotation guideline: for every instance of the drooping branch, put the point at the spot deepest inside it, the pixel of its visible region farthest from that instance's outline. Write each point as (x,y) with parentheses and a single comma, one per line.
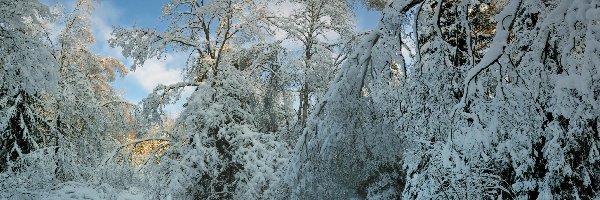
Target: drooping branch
(119,101)
(135,142)
(495,51)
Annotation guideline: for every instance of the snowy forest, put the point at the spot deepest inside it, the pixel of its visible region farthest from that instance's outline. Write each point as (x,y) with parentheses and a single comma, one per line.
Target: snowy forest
(443,99)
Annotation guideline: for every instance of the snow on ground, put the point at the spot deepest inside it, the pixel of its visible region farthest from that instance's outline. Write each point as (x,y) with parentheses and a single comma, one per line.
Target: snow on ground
(79,191)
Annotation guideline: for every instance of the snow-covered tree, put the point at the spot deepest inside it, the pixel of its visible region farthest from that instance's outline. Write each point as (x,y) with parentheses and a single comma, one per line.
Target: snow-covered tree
(58,110)
(378,5)
(524,123)
(540,113)
(507,112)
(346,149)
(320,27)
(216,150)
(89,111)
(273,103)
(455,99)
(28,80)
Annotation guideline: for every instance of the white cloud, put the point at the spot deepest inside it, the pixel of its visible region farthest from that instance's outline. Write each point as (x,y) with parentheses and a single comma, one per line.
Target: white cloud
(103,16)
(165,71)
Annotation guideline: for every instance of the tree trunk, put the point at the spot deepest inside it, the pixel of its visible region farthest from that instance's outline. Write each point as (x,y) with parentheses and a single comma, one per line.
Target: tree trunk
(304,104)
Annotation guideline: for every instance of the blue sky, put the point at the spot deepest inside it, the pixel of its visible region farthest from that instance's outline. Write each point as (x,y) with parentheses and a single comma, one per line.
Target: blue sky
(146,13)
